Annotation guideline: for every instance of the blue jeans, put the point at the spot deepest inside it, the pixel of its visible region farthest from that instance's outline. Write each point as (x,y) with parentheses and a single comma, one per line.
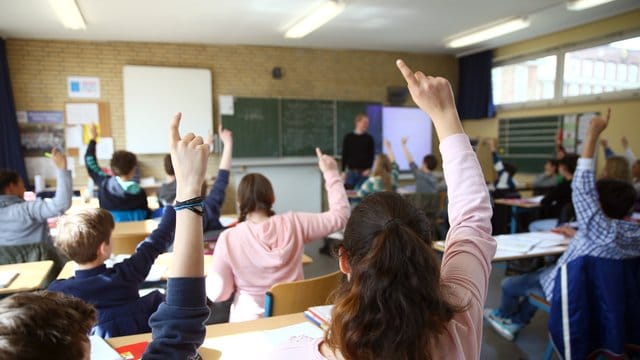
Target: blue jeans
(515,290)
(354,179)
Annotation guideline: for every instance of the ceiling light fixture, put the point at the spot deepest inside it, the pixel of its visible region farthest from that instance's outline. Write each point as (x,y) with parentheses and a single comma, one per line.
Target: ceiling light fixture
(577,5)
(320,16)
(68,13)
(487,32)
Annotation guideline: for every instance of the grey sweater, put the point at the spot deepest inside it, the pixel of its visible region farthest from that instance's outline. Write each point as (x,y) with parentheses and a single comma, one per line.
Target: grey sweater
(25,222)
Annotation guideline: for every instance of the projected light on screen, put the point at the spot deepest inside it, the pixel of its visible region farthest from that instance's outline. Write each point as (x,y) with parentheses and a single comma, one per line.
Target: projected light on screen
(413,123)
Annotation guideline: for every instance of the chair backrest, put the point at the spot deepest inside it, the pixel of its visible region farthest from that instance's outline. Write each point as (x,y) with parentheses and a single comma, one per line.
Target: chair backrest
(297,296)
(595,307)
(126,244)
(129,215)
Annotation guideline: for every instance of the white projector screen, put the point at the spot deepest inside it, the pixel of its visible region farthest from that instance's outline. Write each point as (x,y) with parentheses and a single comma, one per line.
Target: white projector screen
(153,94)
(398,122)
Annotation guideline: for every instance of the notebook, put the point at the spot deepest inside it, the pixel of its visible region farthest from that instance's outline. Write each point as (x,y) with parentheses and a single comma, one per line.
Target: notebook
(6,277)
(100,350)
(133,351)
(319,315)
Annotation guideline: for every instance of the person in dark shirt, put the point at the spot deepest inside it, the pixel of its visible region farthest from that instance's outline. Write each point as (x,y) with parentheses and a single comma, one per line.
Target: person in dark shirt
(357,153)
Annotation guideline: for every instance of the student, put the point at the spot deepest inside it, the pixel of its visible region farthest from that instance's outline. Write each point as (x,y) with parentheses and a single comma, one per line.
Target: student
(357,153)
(399,301)
(167,191)
(549,178)
(627,152)
(555,207)
(384,176)
(85,237)
(426,181)
(119,194)
(24,232)
(265,249)
(46,325)
(617,168)
(505,184)
(600,210)
(212,204)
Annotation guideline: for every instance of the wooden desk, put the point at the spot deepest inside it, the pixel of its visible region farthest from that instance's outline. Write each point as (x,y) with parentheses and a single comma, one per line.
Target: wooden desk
(504,253)
(515,204)
(30,276)
(218,330)
(165,260)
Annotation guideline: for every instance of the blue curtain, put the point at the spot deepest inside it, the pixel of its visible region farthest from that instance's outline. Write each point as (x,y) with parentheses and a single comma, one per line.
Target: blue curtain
(475,96)
(10,150)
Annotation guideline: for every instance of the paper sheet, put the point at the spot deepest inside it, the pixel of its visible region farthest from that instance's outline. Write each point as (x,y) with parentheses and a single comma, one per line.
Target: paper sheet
(73,137)
(104,148)
(261,342)
(82,113)
(226,104)
(100,350)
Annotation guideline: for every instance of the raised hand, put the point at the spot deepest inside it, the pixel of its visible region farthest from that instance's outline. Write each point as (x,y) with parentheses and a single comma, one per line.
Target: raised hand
(604,143)
(434,96)
(58,158)
(325,162)
(93,132)
(227,139)
(599,123)
(225,135)
(189,155)
(625,142)
(403,140)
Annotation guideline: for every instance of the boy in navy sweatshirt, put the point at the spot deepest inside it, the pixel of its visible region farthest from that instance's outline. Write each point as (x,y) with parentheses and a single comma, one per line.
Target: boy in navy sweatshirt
(119,194)
(85,238)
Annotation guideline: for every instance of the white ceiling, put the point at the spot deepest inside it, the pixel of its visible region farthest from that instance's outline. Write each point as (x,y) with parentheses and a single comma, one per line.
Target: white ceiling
(393,25)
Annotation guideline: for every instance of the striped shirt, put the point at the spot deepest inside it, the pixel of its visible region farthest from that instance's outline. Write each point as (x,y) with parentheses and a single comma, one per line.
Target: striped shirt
(375,183)
(598,235)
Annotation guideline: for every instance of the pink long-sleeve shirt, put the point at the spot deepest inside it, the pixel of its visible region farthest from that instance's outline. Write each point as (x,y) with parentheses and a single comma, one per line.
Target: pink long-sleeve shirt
(251,257)
(466,264)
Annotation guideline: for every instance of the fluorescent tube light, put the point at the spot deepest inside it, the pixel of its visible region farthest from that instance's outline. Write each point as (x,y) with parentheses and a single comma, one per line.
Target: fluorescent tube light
(320,16)
(577,5)
(487,32)
(68,13)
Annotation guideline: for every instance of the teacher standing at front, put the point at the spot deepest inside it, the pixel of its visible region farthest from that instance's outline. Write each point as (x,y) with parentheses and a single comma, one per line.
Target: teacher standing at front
(357,153)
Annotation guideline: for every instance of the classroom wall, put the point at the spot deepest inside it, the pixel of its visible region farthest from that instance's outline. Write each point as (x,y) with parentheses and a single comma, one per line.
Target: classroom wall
(625,114)
(39,70)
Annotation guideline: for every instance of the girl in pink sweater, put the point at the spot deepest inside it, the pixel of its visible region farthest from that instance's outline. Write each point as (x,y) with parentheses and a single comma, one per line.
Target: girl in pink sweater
(399,301)
(265,249)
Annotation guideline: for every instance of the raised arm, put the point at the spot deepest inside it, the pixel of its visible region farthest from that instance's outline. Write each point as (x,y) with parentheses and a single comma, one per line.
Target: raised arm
(316,226)
(90,159)
(405,150)
(628,153)
(41,210)
(213,202)
(607,150)
(584,193)
(178,325)
(470,246)
(390,154)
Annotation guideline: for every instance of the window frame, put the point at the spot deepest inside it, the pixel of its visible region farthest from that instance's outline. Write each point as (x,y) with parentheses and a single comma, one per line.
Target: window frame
(560,52)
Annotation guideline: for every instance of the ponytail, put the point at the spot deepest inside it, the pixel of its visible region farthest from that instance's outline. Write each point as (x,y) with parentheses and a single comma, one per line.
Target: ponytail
(392,307)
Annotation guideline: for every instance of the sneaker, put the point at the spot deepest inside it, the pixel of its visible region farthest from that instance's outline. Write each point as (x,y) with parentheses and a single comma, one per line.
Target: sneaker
(503,326)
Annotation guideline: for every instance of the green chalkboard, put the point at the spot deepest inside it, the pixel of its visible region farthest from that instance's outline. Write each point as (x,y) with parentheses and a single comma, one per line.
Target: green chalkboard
(528,142)
(307,124)
(255,126)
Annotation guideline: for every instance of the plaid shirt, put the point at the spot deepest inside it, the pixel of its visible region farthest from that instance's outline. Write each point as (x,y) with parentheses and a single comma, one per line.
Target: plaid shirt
(597,234)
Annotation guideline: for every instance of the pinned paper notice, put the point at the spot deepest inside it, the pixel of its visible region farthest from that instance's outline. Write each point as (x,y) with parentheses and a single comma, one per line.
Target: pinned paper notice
(82,113)
(73,138)
(104,148)
(226,104)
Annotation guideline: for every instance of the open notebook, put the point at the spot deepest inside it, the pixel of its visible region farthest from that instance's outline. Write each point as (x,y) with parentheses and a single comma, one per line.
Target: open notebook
(319,315)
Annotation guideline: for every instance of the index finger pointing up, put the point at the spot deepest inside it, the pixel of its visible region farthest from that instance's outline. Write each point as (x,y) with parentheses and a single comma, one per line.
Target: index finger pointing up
(319,153)
(409,76)
(174,132)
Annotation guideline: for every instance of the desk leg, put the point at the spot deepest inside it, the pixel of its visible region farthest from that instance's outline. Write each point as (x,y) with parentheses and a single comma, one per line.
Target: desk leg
(514,220)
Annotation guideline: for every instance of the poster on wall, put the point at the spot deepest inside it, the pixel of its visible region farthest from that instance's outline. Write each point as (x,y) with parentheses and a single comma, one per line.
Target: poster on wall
(36,139)
(83,87)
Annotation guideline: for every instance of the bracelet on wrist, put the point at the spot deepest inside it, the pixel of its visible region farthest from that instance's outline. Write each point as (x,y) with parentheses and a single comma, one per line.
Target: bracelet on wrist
(193,204)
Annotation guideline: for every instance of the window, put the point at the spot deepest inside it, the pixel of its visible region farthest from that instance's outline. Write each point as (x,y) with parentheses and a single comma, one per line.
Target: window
(524,81)
(622,59)
(606,68)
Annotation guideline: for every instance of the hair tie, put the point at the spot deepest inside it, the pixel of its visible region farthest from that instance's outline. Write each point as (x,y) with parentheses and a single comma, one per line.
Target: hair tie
(391,222)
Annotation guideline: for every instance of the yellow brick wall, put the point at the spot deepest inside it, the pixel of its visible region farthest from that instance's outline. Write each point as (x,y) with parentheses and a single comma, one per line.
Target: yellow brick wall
(39,71)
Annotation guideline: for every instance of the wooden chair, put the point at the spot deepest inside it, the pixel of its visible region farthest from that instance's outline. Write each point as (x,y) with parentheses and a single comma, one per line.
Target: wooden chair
(297,296)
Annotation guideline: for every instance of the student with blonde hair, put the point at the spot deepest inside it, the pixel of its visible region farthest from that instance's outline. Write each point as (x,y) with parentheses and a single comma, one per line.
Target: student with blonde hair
(399,300)
(384,176)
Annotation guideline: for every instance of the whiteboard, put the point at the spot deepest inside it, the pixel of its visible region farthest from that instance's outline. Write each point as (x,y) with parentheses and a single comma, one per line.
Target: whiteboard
(413,123)
(153,94)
